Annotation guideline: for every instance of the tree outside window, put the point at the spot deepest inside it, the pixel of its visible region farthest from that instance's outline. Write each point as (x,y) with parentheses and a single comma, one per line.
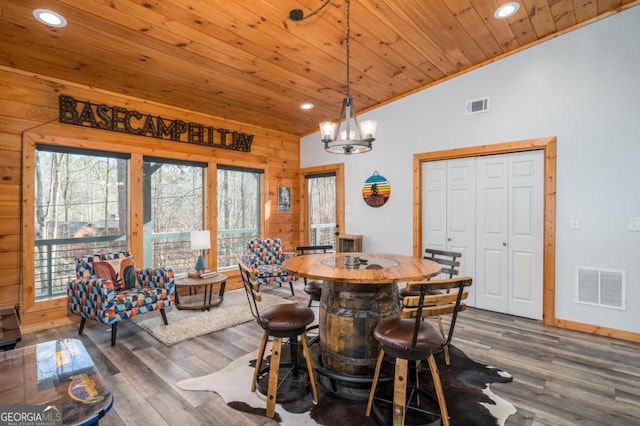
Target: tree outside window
(80,208)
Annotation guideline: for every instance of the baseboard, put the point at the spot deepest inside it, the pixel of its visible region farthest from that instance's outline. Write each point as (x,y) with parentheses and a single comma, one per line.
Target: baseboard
(46,325)
(598,330)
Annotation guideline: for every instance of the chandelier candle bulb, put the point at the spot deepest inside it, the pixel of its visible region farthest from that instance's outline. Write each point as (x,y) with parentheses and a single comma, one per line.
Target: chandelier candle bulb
(327,129)
(368,129)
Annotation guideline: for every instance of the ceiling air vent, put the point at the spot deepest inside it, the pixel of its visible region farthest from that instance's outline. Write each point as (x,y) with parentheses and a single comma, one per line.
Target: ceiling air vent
(477,106)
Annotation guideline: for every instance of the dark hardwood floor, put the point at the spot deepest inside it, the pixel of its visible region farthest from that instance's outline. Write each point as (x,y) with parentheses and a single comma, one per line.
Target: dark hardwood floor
(560,377)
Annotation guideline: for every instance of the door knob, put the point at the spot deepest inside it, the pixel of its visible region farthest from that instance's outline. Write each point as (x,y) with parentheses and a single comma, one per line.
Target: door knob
(504,244)
(448,239)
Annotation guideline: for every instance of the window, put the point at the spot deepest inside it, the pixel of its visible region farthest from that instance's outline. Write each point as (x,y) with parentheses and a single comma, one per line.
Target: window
(80,208)
(238,212)
(173,207)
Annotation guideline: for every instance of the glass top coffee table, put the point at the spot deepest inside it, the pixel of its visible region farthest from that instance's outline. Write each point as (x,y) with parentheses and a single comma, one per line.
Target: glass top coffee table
(59,378)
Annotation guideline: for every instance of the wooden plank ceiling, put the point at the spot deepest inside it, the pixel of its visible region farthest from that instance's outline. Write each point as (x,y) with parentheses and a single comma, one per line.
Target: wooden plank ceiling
(246,60)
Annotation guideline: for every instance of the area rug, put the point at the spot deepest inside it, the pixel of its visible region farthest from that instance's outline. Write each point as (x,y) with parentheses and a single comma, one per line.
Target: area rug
(188,324)
(466,384)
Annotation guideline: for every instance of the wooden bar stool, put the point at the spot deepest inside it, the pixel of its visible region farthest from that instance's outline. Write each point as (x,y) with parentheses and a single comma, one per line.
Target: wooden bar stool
(450,267)
(411,339)
(283,321)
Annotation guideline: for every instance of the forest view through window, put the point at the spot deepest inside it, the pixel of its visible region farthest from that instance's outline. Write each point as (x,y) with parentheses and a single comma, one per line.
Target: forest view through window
(80,208)
(173,207)
(238,200)
(322,208)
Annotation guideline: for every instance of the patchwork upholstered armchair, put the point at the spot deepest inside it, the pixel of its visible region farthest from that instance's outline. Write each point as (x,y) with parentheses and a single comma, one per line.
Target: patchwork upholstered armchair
(108,289)
(263,258)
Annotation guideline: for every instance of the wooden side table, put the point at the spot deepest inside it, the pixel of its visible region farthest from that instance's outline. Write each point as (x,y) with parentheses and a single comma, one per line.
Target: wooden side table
(195,301)
(10,333)
(349,243)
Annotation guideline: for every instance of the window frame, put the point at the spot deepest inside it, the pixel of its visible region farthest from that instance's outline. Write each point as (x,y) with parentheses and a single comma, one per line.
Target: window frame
(50,133)
(48,243)
(338,169)
(148,235)
(260,206)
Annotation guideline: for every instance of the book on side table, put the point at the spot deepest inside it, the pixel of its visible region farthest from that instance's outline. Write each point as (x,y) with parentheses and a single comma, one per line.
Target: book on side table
(205,274)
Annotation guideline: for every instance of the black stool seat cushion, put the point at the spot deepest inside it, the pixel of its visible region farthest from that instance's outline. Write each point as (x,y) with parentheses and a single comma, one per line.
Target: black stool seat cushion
(314,287)
(398,333)
(286,316)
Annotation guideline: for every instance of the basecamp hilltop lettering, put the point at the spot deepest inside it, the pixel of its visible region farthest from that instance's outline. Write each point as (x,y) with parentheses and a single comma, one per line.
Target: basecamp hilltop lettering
(117,119)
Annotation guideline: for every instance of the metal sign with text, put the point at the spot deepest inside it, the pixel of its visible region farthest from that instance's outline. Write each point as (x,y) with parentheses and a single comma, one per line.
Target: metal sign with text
(123,120)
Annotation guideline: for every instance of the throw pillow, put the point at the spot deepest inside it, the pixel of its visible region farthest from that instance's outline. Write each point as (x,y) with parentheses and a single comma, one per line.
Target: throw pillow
(106,271)
(128,273)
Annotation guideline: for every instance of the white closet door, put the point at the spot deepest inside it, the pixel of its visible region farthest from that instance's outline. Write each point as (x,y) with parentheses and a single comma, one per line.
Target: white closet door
(461,218)
(526,199)
(491,280)
(509,233)
(434,205)
(448,190)
(491,210)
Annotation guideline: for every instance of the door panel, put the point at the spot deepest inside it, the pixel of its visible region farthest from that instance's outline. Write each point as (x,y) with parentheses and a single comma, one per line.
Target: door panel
(491,207)
(448,211)
(525,233)
(492,277)
(522,203)
(434,207)
(461,221)
(523,264)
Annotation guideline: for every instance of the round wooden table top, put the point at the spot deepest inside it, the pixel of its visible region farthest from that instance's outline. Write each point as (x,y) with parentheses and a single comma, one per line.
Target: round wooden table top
(373,268)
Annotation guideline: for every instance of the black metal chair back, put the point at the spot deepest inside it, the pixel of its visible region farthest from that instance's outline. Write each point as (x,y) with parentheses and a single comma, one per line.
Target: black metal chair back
(314,287)
(314,249)
(445,258)
(252,291)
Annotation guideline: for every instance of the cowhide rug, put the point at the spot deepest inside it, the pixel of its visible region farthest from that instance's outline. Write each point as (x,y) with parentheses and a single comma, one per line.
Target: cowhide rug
(466,384)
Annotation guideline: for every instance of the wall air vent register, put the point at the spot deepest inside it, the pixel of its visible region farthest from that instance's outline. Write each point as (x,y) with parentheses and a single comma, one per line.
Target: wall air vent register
(477,106)
(601,287)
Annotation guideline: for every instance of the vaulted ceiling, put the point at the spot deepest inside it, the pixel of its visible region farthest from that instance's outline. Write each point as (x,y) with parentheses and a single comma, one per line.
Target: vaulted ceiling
(246,60)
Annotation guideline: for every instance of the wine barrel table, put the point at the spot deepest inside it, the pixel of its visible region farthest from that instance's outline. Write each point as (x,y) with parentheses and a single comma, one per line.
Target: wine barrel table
(360,290)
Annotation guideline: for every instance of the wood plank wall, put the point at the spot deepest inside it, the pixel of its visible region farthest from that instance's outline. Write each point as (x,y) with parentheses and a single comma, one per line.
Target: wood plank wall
(29,114)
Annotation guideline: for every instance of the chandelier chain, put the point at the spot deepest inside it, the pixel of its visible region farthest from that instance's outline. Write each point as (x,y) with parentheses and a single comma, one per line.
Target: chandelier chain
(354,137)
(348,46)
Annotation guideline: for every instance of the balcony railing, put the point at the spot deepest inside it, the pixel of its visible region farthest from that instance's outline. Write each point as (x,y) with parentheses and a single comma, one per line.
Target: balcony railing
(55,266)
(323,234)
(54,262)
(232,245)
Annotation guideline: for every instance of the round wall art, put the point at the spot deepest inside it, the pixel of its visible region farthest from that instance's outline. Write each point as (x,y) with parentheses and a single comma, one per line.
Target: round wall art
(376,190)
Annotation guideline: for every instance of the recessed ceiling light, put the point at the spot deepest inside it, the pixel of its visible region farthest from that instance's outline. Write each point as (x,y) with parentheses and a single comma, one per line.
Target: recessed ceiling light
(507,10)
(50,18)
(306,105)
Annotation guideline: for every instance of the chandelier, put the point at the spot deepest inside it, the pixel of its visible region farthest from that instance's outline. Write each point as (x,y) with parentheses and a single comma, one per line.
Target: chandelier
(347,136)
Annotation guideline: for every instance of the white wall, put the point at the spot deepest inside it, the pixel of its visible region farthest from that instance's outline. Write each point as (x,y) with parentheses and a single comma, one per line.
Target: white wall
(582,87)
